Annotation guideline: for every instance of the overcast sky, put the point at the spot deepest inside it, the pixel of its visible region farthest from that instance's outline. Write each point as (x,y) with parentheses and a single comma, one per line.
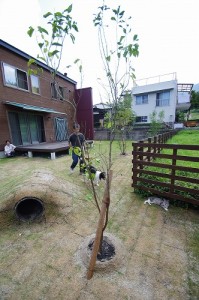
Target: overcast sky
(167,31)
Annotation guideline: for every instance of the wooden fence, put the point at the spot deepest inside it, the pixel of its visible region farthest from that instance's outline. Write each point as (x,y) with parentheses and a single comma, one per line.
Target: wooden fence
(164,174)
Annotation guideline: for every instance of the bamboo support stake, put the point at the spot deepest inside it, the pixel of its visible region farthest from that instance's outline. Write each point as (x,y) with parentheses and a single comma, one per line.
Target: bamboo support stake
(105,204)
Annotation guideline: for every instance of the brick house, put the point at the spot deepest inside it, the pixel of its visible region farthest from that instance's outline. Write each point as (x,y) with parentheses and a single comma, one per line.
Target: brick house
(31,110)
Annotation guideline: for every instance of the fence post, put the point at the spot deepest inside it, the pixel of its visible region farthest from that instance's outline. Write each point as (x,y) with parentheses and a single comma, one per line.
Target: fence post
(173,171)
(135,164)
(149,149)
(141,149)
(155,142)
(159,140)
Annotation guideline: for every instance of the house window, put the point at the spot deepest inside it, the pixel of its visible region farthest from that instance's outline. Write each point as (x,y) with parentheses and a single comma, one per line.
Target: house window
(57,91)
(163,98)
(142,99)
(142,119)
(35,84)
(14,77)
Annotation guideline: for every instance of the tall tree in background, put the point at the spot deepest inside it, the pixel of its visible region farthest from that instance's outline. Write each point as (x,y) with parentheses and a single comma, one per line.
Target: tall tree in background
(124,118)
(194,100)
(156,121)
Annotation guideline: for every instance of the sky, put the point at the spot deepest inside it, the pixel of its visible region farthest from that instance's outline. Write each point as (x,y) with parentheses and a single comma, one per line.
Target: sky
(167,32)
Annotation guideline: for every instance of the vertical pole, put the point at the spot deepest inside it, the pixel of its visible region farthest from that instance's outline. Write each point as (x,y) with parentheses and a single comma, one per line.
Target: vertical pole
(135,164)
(105,204)
(149,148)
(173,172)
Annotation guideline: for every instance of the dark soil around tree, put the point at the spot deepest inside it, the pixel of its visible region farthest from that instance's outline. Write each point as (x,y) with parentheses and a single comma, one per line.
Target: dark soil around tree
(106,251)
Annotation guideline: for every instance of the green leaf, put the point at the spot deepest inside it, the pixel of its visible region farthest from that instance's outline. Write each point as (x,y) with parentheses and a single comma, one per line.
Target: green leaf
(47,14)
(42,30)
(69,9)
(53,53)
(108,58)
(56,44)
(41,57)
(121,38)
(40,45)
(72,38)
(30,31)
(74,26)
(76,61)
(58,14)
(31,61)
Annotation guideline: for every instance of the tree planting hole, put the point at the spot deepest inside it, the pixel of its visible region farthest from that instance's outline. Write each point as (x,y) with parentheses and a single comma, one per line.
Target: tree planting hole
(107,251)
(29,209)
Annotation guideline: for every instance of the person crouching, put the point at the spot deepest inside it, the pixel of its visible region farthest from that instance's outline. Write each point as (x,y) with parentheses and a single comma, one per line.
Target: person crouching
(9,149)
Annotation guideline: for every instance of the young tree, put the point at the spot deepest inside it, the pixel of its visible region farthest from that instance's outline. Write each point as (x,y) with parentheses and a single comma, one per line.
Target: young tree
(117,47)
(194,100)
(117,54)
(156,122)
(50,40)
(124,117)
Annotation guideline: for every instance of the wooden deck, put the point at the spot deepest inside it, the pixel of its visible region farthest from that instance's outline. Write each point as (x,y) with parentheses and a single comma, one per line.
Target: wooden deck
(51,148)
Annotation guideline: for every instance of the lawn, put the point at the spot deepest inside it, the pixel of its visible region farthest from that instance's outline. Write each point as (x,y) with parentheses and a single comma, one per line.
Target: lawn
(41,260)
(194,114)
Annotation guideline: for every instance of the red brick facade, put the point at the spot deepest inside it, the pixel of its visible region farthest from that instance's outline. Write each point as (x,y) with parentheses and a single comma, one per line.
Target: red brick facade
(17,59)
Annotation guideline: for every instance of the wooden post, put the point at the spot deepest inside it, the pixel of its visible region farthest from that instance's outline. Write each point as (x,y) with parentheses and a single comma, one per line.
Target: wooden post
(149,148)
(141,157)
(155,142)
(105,204)
(135,164)
(173,171)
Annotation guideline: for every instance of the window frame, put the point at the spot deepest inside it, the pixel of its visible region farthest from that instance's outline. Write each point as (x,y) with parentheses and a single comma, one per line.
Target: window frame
(142,119)
(34,86)
(143,99)
(163,102)
(54,93)
(17,73)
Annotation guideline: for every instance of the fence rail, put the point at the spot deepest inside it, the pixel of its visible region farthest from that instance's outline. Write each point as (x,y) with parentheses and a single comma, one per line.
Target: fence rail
(163,174)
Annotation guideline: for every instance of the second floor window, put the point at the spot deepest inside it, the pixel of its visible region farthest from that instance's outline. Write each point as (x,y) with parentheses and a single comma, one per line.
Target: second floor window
(57,91)
(163,98)
(35,84)
(14,77)
(142,99)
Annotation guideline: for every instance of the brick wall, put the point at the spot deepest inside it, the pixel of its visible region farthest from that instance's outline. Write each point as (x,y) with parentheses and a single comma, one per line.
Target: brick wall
(27,97)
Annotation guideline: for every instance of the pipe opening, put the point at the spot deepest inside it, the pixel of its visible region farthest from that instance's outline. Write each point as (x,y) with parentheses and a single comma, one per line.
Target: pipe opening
(29,209)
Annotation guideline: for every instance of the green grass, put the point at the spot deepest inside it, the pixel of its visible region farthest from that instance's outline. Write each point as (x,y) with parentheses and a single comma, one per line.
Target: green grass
(101,149)
(185,137)
(194,114)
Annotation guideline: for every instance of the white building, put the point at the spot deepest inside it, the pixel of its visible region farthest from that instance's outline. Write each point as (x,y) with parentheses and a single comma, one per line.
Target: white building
(158,94)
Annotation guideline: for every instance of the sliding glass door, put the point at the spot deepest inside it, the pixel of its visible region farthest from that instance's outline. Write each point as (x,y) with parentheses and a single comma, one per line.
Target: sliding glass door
(26,128)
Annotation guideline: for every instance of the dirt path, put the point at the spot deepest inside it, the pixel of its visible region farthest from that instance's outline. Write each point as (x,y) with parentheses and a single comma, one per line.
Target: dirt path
(42,260)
